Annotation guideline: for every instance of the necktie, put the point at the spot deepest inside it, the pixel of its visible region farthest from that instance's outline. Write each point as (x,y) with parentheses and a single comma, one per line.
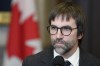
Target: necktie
(67,63)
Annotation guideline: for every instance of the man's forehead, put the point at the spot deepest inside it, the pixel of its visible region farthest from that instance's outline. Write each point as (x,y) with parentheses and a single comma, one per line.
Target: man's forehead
(62,18)
(61,21)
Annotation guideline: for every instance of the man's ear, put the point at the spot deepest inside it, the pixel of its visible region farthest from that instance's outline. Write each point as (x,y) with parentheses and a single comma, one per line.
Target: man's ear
(80,36)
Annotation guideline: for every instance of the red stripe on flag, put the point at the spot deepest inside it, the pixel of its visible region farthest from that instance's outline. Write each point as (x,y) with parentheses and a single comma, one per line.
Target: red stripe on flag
(13,46)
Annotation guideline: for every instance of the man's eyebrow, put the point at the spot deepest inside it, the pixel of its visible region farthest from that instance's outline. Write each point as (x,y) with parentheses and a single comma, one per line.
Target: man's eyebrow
(62,26)
(54,25)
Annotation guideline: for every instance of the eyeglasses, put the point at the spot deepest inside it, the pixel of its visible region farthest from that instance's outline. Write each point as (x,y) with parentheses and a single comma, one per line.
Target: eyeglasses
(65,30)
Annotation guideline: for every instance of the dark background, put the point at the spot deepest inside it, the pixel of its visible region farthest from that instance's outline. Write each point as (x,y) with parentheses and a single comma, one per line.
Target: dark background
(5,5)
(92,10)
(92,41)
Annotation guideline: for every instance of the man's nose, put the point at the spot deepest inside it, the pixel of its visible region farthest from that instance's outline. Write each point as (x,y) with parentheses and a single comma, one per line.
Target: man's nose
(59,34)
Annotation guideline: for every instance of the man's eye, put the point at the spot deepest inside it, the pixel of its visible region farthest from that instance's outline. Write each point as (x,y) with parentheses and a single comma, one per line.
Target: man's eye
(53,27)
(66,29)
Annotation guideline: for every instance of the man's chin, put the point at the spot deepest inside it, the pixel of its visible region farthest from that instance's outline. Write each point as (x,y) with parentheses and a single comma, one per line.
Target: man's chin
(59,50)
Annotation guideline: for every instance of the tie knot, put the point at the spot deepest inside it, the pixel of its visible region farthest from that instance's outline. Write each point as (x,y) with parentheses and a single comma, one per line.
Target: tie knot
(67,63)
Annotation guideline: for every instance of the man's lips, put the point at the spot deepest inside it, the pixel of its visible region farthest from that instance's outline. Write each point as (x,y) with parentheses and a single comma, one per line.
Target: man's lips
(59,43)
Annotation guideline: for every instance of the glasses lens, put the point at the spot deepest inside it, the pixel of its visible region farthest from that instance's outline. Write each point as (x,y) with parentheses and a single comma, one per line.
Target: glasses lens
(66,30)
(53,30)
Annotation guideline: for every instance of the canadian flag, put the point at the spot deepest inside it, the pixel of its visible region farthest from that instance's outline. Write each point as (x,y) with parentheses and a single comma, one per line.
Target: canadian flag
(24,39)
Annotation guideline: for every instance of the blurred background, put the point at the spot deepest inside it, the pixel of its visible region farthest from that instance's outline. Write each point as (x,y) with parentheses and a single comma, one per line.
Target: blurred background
(92,37)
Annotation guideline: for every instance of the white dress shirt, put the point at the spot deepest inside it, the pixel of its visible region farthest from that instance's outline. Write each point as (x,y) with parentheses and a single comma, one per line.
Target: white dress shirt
(74,59)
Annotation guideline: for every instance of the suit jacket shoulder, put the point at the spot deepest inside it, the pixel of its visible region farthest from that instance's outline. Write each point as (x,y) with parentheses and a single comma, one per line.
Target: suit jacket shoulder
(87,59)
(40,59)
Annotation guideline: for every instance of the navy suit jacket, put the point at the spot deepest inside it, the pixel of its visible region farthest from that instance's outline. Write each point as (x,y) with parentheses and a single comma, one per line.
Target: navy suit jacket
(44,58)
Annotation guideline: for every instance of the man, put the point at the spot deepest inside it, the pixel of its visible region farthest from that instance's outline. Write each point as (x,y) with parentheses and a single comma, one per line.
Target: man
(66,29)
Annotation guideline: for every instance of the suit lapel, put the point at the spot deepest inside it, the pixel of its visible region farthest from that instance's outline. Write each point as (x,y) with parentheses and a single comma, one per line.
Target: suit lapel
(83,61)
(47,57)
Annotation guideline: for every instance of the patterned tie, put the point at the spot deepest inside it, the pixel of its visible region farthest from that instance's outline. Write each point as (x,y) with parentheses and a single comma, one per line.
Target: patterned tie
(67,63)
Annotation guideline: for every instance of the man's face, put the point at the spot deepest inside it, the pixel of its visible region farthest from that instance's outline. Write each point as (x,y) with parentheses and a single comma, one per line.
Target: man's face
(60,42)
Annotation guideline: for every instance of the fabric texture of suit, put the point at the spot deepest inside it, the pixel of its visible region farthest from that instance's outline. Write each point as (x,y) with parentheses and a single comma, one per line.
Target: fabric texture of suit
(44,58)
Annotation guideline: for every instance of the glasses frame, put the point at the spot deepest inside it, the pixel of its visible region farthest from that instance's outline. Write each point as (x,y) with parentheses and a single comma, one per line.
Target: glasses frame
(48,29)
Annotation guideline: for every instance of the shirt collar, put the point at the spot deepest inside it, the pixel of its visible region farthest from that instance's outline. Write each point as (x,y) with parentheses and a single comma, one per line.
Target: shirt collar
(74,59)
